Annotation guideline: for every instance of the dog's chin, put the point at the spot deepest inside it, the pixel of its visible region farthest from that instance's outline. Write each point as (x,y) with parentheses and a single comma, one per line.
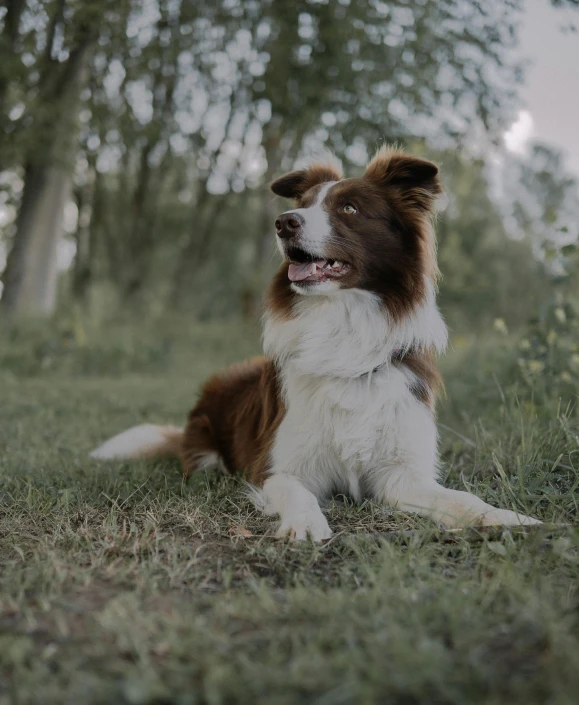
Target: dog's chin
(323,288)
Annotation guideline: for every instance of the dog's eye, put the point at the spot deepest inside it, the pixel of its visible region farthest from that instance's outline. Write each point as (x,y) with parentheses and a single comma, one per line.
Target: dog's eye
(349,209)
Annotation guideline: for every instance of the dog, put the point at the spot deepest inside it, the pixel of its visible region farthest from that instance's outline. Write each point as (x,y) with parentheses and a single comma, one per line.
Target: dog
(343,399)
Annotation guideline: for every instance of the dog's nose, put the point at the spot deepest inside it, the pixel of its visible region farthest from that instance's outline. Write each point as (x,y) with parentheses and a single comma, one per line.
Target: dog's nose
(288,224)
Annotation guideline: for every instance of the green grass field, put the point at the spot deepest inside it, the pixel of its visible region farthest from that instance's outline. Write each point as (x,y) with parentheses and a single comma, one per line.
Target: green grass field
(122,584)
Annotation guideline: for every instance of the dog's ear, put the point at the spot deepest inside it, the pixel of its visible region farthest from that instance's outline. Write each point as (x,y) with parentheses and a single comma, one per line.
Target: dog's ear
(415,181)
(296,183)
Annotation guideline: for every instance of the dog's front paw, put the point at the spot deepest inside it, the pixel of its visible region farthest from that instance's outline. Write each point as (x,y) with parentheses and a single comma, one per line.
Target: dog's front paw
(299,527)
(504,517)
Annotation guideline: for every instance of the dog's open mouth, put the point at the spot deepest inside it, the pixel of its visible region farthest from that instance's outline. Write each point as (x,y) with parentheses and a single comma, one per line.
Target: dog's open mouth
(308,268)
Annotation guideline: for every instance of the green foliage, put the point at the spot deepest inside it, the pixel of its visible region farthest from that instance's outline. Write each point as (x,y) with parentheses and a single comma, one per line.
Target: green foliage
(477,255)
(549,351)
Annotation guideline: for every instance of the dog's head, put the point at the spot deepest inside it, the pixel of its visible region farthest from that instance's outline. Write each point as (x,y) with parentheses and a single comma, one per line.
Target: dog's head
(371,233)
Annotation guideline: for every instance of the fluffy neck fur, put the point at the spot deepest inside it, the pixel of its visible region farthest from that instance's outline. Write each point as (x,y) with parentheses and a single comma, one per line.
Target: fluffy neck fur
(349,333)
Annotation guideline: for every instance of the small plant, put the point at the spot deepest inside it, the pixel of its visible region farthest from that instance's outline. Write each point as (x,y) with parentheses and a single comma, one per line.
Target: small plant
(548,352)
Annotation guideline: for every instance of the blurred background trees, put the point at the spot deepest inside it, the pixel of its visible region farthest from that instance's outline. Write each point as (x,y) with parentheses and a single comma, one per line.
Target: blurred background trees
(137,138)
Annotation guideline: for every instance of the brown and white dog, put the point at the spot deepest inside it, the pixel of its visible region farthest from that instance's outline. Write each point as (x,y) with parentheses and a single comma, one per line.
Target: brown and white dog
(343,400)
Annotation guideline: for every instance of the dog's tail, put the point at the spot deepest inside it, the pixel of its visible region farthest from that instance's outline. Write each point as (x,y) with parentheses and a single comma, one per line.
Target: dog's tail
(146,441)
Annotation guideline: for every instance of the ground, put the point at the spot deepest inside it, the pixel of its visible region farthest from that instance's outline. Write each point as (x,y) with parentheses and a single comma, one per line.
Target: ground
(122,584)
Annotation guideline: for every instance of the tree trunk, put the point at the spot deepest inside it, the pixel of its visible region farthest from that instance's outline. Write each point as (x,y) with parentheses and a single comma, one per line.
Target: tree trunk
(209,209)
(87,201)
(9,60)
(8,42)
(31,272)
(30,279)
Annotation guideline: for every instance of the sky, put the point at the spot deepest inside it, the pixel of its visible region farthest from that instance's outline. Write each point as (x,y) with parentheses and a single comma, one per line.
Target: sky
(551,90)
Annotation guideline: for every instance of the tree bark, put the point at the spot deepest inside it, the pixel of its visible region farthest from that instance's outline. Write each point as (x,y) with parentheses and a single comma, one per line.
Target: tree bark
(30,280)
(8,42)
(87,201)
(9,60)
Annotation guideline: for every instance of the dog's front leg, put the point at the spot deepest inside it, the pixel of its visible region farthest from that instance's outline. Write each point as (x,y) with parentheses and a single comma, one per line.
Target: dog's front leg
(409,490)
(298,508)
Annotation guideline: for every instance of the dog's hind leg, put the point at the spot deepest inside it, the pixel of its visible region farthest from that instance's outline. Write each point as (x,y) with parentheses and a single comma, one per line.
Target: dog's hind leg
(199,450)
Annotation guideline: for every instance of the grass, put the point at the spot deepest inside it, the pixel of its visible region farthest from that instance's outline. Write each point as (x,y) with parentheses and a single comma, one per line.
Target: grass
(122,584)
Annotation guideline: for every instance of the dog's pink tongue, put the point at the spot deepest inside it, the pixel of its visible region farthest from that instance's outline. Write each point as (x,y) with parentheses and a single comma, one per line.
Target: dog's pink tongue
(299,272)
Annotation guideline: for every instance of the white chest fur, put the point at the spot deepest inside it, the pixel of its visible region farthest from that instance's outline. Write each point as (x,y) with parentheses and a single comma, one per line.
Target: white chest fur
(337,433)
(344,423)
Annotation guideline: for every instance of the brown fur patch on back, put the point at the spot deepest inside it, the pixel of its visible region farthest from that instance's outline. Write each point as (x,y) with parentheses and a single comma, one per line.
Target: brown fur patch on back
(236,417)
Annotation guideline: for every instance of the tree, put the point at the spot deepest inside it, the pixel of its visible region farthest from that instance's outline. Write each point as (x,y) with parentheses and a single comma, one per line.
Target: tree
(68,34)
(478,255)
(539,200)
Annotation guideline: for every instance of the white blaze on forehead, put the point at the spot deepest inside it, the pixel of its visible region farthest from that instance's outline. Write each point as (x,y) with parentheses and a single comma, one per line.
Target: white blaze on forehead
(317,228)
